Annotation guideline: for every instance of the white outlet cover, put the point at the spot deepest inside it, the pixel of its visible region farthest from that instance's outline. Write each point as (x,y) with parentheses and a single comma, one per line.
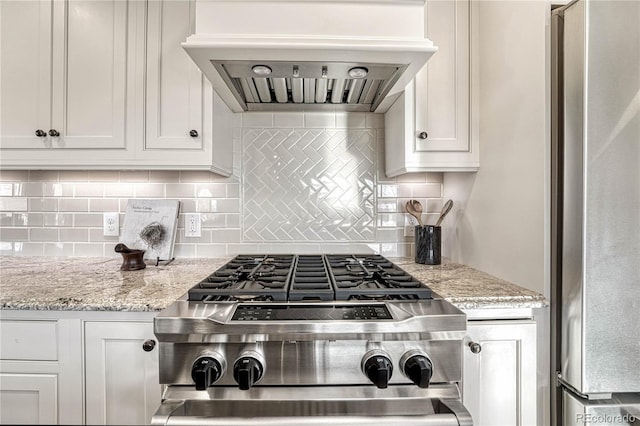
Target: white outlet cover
(192,225)
(410,223)
(111,224)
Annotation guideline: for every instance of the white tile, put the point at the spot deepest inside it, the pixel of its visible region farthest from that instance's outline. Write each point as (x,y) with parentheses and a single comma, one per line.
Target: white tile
(375,121)
(288,119)
(88,249)
(257,119)
(6,219)
(180,190)
(322,120)
(57,219)
(164,176)
(58,249)
(148,190)
(387,205)
(103,176)
(78,235)
(43,234)
(387,191)
(225,235)
(12,204)
(184,250)
(193,176)
(28,249)
(43,204)
(352,120)
(211,190)
(87,220)
(6,190)
(134,176)
(73,205)
(120,190)
(211,250)
(14,234)
(67,176)
(104,205)
(57,190)
(14,175)
(49,176)
(427,190)
(89,190)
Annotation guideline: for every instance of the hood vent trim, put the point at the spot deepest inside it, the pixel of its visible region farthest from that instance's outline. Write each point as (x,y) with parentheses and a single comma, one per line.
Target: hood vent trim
(310,84)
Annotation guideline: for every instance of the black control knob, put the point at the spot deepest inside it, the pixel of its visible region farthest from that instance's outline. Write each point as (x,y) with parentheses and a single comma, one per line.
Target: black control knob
(205,372)
(247,371)
(419,370)
(378,369)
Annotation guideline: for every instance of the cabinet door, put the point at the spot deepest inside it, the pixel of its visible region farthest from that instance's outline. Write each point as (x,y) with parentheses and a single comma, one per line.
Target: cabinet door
(499,382)
(121,379)
(90,70)
(442,86)
(25,74)
(28,398)
(175,88)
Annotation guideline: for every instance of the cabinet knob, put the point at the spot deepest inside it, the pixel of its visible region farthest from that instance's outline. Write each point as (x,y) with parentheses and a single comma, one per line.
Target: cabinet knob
(475,348)
(41,133)
(193,133)
(148,345)
(54,133)
(423,135)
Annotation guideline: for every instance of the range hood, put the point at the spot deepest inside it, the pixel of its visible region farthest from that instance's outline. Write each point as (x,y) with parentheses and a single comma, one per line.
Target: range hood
(263,55)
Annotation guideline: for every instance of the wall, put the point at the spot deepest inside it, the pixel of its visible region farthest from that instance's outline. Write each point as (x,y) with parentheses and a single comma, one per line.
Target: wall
(304,183)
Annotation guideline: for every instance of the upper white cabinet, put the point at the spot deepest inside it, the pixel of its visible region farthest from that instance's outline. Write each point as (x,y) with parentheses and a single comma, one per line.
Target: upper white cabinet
(430,127)
(106,84)
(65,75)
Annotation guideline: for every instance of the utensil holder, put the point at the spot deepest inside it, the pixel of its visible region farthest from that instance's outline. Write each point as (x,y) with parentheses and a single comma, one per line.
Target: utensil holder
(132,259)
(428,244)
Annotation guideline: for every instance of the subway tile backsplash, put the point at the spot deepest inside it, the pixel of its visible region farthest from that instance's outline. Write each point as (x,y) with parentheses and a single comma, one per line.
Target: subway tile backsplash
(303,182)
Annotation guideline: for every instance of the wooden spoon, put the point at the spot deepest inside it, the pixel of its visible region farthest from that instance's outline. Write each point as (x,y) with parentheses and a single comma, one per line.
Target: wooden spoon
(445,210)
(414,208)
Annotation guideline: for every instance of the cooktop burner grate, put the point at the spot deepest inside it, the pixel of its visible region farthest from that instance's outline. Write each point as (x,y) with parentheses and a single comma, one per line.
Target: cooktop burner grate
(309,278)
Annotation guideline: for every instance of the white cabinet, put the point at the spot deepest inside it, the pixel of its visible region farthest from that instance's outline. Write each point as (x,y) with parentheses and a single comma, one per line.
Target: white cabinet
(106,84)
(499,384)
(67,367)
(121,379)
(430,126)
(65,77)
(29,399)
(40,382)
(186,126)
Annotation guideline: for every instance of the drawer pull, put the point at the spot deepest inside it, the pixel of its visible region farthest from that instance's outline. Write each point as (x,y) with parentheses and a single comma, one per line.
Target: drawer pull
(475,348)
(193,133)
(423,135)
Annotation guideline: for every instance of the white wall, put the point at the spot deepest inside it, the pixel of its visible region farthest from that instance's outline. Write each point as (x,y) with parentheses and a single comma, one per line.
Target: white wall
(500,221)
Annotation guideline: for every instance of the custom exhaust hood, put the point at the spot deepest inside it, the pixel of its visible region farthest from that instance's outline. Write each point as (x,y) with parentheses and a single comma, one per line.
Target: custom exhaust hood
(350,55)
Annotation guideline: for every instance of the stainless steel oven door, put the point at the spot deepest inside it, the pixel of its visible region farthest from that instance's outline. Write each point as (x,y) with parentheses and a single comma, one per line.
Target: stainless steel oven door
(338,405)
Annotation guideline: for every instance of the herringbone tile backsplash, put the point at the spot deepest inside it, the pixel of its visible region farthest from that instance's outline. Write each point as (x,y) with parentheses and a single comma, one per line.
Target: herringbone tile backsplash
(302,183)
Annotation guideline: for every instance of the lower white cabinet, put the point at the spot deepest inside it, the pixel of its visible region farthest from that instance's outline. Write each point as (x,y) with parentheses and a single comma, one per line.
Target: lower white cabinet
(30,399)
(500,371)
(121,379)
(62,367)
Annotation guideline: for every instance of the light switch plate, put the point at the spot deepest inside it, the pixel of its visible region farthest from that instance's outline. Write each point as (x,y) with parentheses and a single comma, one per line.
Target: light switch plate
(192,226)
(111,224)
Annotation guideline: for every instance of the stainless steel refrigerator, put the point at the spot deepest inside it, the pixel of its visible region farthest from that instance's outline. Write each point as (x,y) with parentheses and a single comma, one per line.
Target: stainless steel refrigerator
(595,223)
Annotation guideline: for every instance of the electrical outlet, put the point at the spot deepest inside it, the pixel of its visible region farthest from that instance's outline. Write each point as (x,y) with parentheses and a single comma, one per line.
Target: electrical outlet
(410,223)
(111,224)
(192,226)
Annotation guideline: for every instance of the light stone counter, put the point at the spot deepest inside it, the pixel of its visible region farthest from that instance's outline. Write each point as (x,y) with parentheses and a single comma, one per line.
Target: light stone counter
(97,284)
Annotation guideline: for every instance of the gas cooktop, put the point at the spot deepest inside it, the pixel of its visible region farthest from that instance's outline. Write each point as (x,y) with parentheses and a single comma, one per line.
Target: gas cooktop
(324,277)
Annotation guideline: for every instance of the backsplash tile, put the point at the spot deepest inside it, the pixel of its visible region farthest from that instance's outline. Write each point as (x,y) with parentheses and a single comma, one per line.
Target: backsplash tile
(303,182)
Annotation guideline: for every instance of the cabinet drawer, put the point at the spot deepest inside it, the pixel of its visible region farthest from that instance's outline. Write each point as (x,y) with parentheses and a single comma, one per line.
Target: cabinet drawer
(29,340)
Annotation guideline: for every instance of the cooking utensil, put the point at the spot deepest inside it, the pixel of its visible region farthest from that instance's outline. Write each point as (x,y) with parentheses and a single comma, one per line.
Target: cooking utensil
(414,208)
(445,210)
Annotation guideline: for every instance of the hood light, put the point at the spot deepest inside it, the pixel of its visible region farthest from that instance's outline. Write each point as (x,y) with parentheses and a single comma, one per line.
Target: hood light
(358,72)
(261,70)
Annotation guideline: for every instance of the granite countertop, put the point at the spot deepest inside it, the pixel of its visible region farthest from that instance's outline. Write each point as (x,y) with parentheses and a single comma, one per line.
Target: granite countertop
(97,284)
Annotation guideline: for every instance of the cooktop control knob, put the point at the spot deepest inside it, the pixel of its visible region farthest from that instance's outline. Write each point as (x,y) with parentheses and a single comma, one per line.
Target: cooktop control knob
(247,371)
(206,371)
(418,368)
(378,368)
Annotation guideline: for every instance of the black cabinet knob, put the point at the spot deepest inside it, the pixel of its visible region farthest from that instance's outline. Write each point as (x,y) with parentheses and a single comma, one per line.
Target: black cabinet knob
(419,370)
(247,371)
(41,133)
(54,133)
(379,369)
(476,348)
(193,133)
(423,135)
(148,345)
(205,372)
